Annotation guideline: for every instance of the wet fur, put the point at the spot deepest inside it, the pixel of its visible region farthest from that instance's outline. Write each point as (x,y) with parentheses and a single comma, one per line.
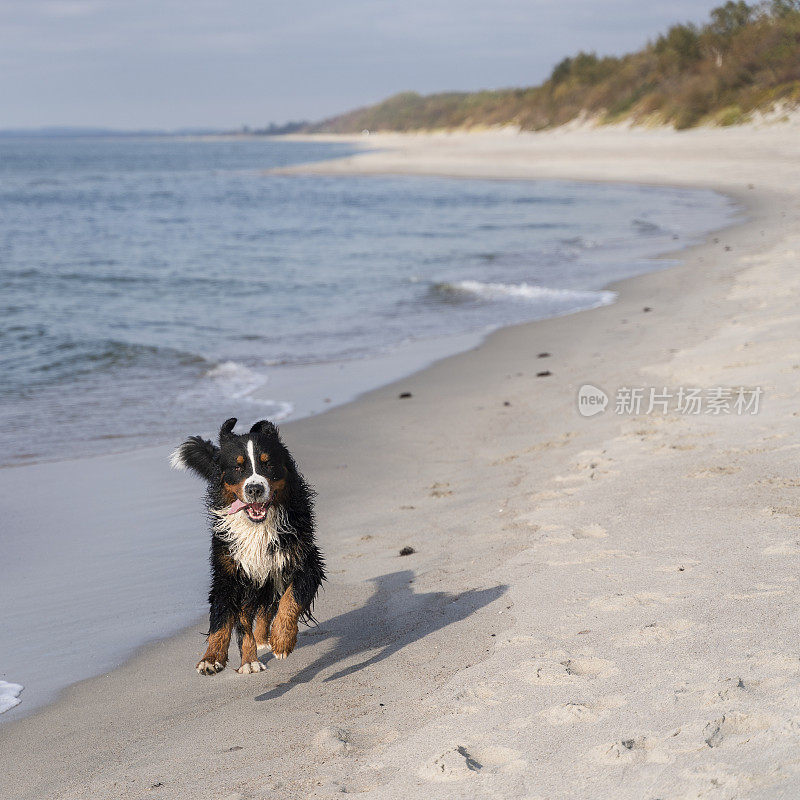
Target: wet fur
(254,564)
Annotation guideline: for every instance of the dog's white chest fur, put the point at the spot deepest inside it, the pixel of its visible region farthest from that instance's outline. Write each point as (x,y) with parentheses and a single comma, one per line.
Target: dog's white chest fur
(255,546)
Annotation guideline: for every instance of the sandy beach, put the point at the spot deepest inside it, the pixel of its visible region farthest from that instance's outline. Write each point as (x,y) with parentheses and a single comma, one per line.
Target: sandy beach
(597,607)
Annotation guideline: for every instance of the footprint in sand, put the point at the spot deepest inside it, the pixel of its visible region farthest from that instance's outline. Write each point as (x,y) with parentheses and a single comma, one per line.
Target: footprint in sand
(569,714)
(725,690)
(474,699)
(582,711)
(465,761)
(737,728)
(588,466)
(590,532)
(647,749)
(332,740)
(658,633)
(561,671)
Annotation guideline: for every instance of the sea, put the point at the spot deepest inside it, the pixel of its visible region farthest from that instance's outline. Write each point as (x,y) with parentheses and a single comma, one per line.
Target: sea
(151,287)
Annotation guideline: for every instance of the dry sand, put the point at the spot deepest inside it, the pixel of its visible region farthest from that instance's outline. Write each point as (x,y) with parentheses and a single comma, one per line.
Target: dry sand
(597,607)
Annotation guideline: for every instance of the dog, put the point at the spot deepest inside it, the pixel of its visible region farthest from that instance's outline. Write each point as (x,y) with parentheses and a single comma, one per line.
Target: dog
(266,568)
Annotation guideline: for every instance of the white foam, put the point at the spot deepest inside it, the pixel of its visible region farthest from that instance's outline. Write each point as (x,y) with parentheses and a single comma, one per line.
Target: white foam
(230,380)
(541,294)
(9,695)
(235,380)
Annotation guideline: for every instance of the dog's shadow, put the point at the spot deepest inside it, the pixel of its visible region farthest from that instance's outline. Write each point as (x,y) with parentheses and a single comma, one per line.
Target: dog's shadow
(392,618)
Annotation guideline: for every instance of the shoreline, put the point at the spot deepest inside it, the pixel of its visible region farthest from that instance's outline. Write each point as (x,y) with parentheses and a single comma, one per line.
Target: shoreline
(303,389)
(417,356)
(362,435)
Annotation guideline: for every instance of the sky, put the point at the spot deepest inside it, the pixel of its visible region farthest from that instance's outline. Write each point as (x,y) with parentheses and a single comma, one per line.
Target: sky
(167,64)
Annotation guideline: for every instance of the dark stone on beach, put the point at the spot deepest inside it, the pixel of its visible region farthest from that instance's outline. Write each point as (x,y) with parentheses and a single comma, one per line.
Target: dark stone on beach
(506,403)
(407,551)
(544,374)
(404,395)
(647,309)
(543,355)
(727,247)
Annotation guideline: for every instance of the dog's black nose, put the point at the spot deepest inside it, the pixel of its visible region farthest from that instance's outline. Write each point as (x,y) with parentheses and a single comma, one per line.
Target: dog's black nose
(254,492)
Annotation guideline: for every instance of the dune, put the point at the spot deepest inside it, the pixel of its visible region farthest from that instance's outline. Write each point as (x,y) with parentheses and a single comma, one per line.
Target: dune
(595,606)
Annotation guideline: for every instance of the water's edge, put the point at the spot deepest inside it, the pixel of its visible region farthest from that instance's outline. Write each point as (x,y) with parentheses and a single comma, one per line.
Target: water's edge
(358,378)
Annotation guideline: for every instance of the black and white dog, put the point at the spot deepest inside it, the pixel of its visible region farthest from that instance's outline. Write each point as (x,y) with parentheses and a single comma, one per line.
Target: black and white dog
(265,566)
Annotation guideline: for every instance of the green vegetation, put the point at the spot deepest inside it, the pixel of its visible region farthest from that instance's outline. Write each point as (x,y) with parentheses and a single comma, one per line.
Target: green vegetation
(745,59)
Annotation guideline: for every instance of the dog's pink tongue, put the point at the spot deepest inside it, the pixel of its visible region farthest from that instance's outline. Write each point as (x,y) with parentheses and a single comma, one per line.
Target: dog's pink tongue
(236,505)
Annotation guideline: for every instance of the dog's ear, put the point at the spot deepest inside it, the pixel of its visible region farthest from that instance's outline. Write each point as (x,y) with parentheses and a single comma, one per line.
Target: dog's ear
(198,455)
(227,428)
(265,426)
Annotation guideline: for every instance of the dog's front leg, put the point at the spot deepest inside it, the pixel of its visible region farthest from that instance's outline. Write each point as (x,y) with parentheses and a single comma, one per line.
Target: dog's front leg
(262,624)
(247,644)
(283,636)
(219,639)
(296,601)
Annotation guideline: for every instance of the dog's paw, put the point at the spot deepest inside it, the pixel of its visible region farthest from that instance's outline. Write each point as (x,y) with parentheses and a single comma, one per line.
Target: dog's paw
(251,666)
(281,647)
(209,667)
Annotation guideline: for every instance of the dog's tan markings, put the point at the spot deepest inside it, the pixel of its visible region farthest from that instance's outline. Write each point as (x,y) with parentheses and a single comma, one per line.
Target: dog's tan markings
(261,626)
(248,642)
(240,459)
(284,628)
(217,651)
(232,491)
(264,458)
(278,489)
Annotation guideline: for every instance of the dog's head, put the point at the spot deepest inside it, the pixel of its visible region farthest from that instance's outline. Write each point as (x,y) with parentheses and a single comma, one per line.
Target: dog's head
(247,472)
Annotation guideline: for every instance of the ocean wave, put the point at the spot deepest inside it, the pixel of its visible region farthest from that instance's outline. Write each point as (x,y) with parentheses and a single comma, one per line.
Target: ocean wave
(232,381)
(235,380)
(38,358)
(550,299)
(110,354)
(9,695)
